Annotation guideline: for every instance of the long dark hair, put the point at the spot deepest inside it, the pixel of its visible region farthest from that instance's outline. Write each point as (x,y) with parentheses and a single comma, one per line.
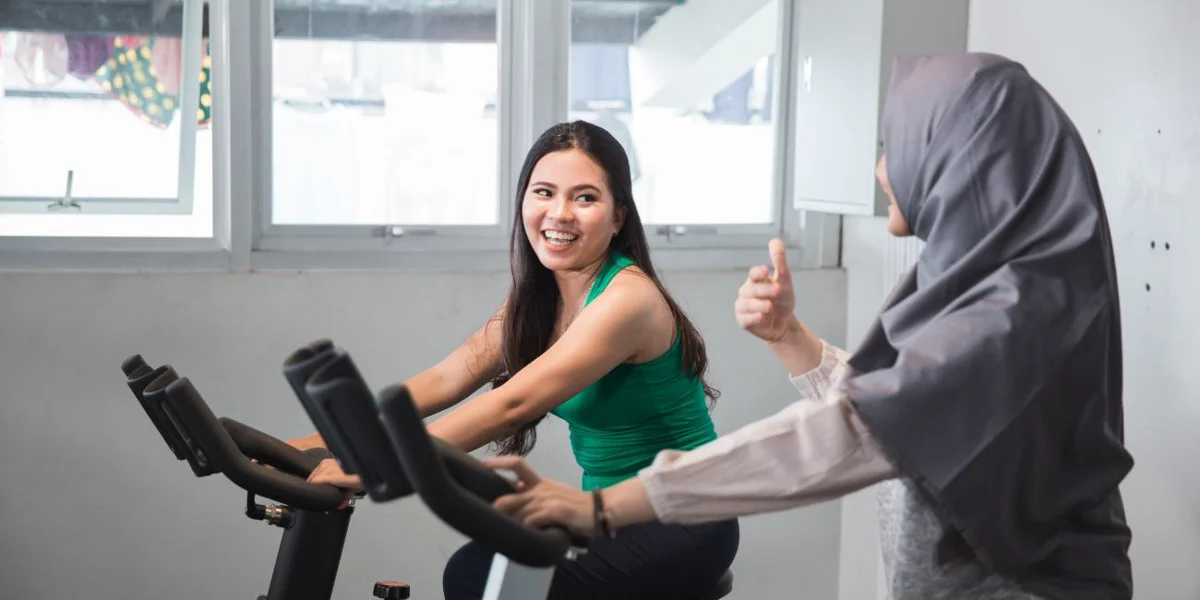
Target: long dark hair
(533,298)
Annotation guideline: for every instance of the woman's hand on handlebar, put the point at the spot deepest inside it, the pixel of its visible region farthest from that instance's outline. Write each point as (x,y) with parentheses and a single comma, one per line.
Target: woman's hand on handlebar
(330,472)
(543,502)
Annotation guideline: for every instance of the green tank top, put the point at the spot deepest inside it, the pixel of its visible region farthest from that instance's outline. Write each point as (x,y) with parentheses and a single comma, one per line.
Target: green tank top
(619,423)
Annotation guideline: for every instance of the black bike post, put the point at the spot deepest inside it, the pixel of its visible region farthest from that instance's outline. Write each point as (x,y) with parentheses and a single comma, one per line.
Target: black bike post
(309,553)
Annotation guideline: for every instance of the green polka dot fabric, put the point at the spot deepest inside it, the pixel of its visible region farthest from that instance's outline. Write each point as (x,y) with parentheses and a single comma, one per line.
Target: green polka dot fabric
(129,77)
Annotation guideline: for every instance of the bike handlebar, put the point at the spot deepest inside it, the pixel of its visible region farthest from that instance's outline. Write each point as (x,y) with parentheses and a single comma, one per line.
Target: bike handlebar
(388,446)
(211,445)
(463,498)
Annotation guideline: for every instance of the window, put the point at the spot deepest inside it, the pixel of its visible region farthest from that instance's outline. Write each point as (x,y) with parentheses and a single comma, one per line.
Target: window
(349,130)
(689,89)
(385,116)
(104,133)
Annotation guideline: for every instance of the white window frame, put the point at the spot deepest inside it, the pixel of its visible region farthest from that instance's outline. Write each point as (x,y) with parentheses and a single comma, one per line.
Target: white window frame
(526,106)
(244,239)
(49,253)
(814,236)
(193,11)
(276,242)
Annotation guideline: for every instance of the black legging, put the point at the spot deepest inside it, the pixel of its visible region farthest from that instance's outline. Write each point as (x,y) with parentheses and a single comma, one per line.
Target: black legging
(652,560)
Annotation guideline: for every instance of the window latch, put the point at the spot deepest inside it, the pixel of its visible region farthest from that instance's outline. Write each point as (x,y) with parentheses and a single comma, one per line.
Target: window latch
(668,230)
(66,203)
(392,232)
(673,231)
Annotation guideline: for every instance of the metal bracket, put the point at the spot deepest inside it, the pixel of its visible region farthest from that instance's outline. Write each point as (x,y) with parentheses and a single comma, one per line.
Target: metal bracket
(394,232)
(673,231)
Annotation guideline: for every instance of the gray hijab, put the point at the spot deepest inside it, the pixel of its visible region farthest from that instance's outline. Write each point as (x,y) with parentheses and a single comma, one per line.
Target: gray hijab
(992,377)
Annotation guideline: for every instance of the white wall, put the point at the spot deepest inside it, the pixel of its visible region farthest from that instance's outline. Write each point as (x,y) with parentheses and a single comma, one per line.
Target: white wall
(1123,70)
(91,501)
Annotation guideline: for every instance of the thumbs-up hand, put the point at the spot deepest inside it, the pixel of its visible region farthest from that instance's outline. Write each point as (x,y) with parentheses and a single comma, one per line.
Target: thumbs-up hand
(766,302)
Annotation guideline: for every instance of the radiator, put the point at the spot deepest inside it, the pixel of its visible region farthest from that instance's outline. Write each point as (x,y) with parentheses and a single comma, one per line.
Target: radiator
(899,254)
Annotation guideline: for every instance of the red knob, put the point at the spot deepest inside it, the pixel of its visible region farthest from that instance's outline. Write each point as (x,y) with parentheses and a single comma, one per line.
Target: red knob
(391,590)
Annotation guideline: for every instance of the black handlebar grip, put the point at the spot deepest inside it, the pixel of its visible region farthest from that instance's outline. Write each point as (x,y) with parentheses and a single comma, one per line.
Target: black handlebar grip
(466,512)
(252,477)
(298,367)
(470,474)
(484,482)
(319,363)
(269,450)
(138,375)
(179,435)
(348,411)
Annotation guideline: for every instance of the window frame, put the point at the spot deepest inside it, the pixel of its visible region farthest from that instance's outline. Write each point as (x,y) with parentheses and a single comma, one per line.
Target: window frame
(392,237)
(183,201)
(55,253)
(243,238)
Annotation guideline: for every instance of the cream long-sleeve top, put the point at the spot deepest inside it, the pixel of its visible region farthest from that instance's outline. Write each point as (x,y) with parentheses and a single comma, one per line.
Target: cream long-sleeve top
(813,450)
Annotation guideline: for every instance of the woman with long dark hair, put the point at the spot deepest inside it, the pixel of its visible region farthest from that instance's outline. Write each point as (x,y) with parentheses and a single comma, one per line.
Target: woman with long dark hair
(589,333)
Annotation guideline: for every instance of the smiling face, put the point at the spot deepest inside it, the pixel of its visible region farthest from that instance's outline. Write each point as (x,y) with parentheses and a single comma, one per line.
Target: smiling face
(568,211)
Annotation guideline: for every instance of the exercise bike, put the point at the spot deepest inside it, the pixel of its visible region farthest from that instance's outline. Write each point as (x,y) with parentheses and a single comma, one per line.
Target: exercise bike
(314,529)
(383,440)
(386,444)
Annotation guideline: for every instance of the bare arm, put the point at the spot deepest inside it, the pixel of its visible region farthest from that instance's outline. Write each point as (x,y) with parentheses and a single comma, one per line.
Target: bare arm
(468,368)
(475,362)
(611,330)
(799,350)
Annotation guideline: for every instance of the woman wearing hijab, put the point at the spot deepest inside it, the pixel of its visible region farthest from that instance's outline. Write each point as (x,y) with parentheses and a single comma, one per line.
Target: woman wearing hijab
(986,397)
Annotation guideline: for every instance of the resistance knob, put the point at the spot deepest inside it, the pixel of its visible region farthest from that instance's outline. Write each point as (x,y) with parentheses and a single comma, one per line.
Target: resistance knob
(391,590)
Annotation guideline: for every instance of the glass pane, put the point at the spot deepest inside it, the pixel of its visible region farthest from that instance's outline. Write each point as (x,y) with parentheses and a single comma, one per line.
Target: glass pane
(92,91)
(385,114)
(702,150)
(104,107)
(198,224)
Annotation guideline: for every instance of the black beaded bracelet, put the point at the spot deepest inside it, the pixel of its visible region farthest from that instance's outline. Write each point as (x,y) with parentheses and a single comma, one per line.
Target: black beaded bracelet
(601,525)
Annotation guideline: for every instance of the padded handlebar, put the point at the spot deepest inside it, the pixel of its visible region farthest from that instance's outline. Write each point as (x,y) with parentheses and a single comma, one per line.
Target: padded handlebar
(297,369)
(212,445)
(457,500)
(138,375)
(268,450)
(230,460)
(398,456)
(332,391)
(150,387)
